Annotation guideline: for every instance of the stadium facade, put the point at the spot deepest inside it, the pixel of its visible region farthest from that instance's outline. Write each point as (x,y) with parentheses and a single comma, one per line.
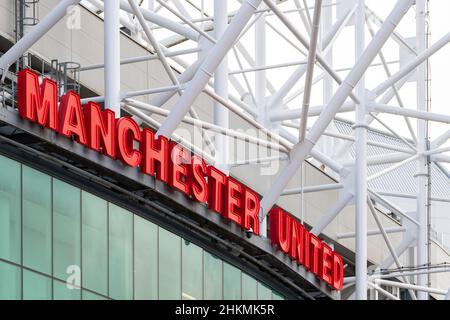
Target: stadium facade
(101,199)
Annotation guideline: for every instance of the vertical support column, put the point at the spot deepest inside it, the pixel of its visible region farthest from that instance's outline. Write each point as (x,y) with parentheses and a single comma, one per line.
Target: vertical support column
(361,165)
(112,55)
(221,116)
(151,7)
(327,19)
(261,83)
(422,172)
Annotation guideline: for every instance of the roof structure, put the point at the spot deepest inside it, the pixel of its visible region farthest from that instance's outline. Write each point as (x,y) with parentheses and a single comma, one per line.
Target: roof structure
(288,69)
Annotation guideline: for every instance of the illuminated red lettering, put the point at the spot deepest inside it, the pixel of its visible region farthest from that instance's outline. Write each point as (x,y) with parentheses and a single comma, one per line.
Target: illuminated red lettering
(199,187)
(233,201)
(280,229)
(100,129)
(326,272)
(298,242)
(338,271)
(155,155)
(178,173)
(171,163)
(71,121)
(315,247)
(216,184)
(251,211)
(128,132)
(37,104)
(306,253)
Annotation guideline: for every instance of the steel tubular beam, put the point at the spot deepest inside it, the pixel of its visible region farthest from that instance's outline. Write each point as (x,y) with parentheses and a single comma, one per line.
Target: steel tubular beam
(382,291)
(310,189)
(410,286)
(424,55)
(418,114)
(248,118)
(155,124)
(349,235)
(360,164)
(305,43)
(388,243)
(314,111)
(161,21)
(399,250)
(209,126)
(112,55)
(319,156)
(300,71)
(162,57)
(310,68)
(409,273)
(301,150)
(141,59)
(422,163)
(443,138)
(375,196)
(221,114)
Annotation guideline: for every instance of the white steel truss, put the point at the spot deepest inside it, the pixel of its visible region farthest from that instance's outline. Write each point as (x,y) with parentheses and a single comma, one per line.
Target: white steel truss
(232,67)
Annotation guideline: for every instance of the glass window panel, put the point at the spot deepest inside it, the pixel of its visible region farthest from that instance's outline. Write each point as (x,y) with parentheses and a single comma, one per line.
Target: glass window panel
(145,259)
(95,243)
(231,282)
(10,223)
(92,296)
(212,277)
(169,265)
(248,287)
(277,296)
(264,293)
(192,255)
(66,228)
(120,253)
(37,220)
(36,286)
(9,282)
(62,292)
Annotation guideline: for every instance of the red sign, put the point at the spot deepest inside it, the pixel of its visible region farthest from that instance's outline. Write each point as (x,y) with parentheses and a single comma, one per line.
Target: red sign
(305,248)
(174,165)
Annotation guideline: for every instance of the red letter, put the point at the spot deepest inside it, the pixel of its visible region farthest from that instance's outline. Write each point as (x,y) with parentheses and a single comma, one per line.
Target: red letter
(307,244)
(280,229)
(233,201)
(297,242)
(127,132)
(155,155)
(100,129)
(216,183)
(316,246)
(251,211)
(37,104)
(71,117)
(338,271)
(199,188)
(326,265)
(178,174)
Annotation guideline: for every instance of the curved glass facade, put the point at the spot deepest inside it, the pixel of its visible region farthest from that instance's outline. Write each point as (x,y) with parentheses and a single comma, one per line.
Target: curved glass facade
(60,242)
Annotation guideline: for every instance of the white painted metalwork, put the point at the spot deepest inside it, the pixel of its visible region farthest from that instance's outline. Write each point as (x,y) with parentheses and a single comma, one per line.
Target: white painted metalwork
(287,119)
